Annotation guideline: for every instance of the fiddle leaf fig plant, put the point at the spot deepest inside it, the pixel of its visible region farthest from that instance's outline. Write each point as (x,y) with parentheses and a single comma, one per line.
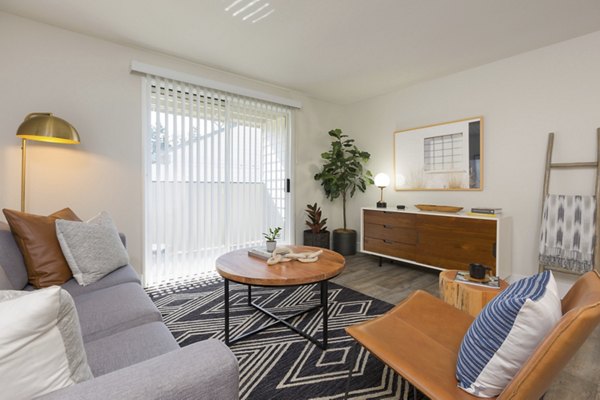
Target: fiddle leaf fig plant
(343,171)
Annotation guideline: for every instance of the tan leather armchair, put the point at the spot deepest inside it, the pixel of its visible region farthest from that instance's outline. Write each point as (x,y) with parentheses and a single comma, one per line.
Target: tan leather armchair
(420,339)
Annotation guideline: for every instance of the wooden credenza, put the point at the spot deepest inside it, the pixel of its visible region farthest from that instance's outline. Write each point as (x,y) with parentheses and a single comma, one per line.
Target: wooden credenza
(437,240)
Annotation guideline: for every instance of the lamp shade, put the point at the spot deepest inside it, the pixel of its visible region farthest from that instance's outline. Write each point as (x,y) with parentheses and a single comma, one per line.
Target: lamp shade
(45,127)
(382,180)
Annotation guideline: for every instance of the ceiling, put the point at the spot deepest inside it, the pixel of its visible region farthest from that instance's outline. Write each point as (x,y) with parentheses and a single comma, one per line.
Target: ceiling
(341,51)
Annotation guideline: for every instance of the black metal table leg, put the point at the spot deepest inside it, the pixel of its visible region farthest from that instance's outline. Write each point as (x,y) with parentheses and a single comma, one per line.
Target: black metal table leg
(226,296)
(324,301)
(279,320)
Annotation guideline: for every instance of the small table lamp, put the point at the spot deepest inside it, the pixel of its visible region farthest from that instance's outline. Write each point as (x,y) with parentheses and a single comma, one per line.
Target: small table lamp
(43,127)
(381,181)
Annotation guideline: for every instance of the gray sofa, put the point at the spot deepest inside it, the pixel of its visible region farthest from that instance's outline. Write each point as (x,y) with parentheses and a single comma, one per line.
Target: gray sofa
(130,350)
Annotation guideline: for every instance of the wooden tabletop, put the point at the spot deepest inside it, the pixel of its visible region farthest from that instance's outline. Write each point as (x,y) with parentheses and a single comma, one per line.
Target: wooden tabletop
(238,266)
(450,274)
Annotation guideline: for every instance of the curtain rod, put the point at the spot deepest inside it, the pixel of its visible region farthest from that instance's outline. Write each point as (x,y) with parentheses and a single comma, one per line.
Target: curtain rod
(137,66)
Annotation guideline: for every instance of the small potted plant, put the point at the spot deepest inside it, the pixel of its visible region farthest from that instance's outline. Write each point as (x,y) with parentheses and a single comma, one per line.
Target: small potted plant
(272,237)
(317,235)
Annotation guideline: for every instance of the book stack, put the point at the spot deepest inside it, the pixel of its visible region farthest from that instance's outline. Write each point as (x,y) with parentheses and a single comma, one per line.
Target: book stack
(260,252)
(490,281)
(485,211)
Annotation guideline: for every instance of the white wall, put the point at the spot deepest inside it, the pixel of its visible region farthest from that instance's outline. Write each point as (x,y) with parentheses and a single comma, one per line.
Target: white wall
(87,82)
(553,89)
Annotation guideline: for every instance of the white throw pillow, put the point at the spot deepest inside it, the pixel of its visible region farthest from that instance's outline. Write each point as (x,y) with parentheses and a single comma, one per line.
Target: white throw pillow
(93,249)
(40,343)
(506,333)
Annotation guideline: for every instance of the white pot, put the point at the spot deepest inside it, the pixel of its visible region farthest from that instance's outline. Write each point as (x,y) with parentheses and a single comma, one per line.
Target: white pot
(271,244)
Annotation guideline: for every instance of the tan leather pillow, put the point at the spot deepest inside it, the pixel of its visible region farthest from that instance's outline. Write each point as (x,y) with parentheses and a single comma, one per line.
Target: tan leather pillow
(36,237)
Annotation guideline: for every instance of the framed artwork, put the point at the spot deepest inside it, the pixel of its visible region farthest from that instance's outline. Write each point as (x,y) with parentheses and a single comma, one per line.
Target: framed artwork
(446,156)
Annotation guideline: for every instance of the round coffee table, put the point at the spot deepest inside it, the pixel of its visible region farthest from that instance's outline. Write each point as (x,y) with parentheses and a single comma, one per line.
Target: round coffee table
(237,266)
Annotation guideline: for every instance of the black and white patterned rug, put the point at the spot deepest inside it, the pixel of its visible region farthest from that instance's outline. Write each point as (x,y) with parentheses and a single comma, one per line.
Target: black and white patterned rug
(278,363)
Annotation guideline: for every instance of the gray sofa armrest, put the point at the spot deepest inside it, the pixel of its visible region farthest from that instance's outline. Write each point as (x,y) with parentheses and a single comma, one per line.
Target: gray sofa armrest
(204,370)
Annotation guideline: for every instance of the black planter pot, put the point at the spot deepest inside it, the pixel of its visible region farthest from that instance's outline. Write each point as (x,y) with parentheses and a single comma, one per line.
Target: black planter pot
(344,241)
(320,239)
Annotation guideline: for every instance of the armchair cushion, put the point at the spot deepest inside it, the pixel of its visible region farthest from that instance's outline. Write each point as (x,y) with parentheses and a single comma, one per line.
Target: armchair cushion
(506,333)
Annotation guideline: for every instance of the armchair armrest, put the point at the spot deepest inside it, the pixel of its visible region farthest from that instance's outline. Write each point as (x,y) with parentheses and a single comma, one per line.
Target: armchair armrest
(203,370)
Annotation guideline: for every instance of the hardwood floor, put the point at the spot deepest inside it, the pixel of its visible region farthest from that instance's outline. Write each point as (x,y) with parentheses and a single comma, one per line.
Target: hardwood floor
(392,282)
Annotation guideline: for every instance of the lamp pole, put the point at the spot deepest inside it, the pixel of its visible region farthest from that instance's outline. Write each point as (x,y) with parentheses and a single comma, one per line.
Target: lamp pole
(23,166)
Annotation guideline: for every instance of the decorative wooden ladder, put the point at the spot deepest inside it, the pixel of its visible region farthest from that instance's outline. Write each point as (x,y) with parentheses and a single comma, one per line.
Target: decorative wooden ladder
(575,165)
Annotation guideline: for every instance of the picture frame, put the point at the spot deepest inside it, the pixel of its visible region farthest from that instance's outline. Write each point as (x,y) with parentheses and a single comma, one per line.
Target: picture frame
(444,156)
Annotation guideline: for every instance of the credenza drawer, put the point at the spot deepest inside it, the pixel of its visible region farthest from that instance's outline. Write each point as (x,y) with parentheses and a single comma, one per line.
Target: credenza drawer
(391,232)
(389,247)
(391,219)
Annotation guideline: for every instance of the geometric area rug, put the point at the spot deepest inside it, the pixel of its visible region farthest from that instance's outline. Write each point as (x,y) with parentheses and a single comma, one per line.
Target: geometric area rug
(277,363)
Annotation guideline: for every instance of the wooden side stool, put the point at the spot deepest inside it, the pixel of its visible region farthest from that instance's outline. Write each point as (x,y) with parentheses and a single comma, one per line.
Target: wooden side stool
(466,297)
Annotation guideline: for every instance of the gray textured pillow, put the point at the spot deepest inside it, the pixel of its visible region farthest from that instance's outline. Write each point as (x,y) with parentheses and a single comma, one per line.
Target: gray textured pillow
(40,343)
(93,249)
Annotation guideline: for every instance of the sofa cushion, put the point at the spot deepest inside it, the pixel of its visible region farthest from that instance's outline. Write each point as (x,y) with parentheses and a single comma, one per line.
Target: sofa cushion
(40,343)
(11,258)
(92,249)
(124,274)
(36,237)
(506,333)
(5,283)
(107,311)
(129,347)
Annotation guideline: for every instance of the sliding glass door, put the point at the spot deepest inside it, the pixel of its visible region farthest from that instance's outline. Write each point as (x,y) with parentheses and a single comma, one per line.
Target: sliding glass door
(217,169)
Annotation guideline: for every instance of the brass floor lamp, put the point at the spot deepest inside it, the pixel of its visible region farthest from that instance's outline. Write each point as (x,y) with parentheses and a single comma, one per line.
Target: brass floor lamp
(43,127)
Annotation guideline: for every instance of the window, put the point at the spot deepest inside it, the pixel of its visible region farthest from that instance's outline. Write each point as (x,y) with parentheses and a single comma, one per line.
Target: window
(217,165)
(443,153)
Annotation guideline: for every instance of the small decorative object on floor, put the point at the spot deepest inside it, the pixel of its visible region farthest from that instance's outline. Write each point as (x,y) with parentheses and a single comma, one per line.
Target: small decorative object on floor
(285,254)
(272,237)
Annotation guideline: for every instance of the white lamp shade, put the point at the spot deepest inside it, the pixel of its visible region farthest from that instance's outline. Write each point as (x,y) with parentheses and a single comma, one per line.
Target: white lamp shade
(382,180)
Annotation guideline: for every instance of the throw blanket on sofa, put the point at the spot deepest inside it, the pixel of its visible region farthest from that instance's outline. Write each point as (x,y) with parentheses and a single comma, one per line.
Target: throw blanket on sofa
(568,232)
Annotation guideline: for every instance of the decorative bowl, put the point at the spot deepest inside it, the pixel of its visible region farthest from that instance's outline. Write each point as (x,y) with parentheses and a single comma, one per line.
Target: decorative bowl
(433,207)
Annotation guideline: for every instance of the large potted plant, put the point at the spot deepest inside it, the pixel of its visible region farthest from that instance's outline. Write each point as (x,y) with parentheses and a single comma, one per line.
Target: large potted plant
(317,235)
(343,173)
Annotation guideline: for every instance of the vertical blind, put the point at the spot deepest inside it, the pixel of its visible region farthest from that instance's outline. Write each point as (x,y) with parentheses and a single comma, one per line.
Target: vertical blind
(217,165)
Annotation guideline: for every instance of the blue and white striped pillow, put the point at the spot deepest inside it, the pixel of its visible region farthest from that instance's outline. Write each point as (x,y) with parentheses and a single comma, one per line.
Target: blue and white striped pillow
(506,333)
